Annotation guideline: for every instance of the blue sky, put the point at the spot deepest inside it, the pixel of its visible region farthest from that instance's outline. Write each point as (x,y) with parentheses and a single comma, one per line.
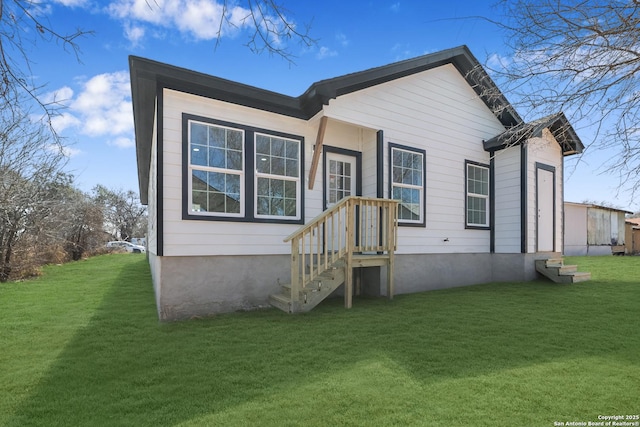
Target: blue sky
(351,36)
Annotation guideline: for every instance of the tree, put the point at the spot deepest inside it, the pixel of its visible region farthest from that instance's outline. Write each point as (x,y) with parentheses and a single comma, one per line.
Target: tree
(22,26)
(581,57)
(30,164)
(123,213)
(267,23)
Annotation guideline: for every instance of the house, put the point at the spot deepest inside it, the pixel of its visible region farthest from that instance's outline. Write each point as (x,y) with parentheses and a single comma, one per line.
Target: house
(632,236)
(256,197)
(593,230)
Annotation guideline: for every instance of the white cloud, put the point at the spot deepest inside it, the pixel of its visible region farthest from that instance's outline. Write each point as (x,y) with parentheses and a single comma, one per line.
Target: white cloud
(72,3)
(200,19)
(60,96)
(134,33)
(101,109)
(325,52)
(342,39)
(395,7)
(122,142)
(65,150)
(64,121)
(105,105)
(498,62)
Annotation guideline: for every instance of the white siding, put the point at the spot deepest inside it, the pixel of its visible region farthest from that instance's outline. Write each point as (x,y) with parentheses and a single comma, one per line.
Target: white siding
(545,150)
(198,237)
(508,195)
(435,111)
(438,112)
(152,197)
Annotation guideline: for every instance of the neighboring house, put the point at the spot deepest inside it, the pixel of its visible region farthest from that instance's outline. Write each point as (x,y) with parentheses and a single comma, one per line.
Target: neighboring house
(230,171)
(632,236)
(593,230)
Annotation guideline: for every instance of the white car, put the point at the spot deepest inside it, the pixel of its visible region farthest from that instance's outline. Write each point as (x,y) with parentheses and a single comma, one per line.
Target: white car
(129,247)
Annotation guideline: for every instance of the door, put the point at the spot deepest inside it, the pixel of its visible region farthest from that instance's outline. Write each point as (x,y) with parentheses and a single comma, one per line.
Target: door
(341,177)
(545,204)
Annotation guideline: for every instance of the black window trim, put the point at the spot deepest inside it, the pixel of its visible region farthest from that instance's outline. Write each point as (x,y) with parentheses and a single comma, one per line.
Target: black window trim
(249,172)
(402,223)
(466,195)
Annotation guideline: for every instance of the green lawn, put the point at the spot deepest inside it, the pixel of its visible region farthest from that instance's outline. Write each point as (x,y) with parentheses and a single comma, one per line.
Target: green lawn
(82,346)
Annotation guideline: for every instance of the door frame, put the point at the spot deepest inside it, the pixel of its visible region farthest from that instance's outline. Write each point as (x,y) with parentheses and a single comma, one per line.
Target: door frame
(342,151)
(552,170)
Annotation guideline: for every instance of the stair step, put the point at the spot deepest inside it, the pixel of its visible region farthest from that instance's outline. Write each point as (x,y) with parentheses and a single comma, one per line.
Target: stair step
(581,277)
(567,269)
(555,270)
(283,302)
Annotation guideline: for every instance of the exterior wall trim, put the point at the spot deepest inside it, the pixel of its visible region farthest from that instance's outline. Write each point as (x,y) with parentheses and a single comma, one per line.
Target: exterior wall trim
(551,169)
(424,181)
(490,210)
(249,172)
(346,152)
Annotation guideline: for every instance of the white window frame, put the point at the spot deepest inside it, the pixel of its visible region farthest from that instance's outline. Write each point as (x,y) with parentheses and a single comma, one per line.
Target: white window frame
(191,168)
(420,187)
(481,196)
(297,180)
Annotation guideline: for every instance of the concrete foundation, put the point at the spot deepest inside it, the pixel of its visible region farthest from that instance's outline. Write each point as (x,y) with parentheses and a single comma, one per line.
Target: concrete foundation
(202,286)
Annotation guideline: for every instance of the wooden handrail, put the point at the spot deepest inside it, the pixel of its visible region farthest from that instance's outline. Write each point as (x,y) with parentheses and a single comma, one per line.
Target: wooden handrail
(353,225)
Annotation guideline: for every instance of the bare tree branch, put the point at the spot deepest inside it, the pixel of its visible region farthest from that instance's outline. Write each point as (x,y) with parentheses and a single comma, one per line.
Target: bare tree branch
(581,57)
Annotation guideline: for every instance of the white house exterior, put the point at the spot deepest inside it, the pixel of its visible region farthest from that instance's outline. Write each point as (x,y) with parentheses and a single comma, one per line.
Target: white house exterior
(481,191)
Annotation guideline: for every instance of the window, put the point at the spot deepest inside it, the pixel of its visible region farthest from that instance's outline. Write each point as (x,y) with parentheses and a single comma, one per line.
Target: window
(477,204)
(277,176)
(407,183)
(240,173)
(216,169)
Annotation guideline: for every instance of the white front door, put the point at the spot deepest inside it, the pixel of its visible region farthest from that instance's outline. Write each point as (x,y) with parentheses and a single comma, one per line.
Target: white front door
(545,205)
(340,177)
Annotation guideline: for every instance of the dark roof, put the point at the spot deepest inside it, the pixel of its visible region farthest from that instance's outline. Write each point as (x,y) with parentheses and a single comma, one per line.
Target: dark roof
(557,124)
(148,76)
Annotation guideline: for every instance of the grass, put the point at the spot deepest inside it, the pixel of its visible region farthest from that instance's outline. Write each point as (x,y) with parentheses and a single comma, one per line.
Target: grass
(82,346)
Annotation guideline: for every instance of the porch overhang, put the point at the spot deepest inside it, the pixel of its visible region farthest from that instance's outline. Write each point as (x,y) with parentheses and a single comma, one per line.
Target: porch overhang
(558,126)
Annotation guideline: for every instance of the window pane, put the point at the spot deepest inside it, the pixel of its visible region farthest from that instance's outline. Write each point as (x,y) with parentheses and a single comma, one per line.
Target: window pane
(290,189)
(262,145)
(217,158)
(199,155)
(199,180)
(397,157)
(277,157)
(407,176)
(477,210)
(198,134)
(234,159)
(290,208)
(215,192)
(234,140)
(277,166)
(263,206)
(199,201)
(217,137)
(262,164)
(291,167)
(277,147)
(292,150)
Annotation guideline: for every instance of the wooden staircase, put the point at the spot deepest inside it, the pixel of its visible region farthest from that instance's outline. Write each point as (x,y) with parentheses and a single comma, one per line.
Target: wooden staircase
(356,232)
(555,270)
